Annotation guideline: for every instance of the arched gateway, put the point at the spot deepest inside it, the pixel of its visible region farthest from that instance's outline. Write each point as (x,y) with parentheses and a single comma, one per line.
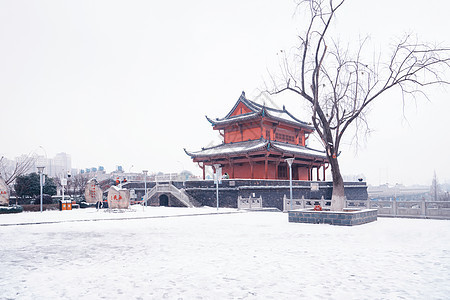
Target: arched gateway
(163,200)
(160,195)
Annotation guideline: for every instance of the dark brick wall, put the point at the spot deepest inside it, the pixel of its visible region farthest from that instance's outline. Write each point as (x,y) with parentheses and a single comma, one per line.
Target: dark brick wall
(207,196)
(271,191)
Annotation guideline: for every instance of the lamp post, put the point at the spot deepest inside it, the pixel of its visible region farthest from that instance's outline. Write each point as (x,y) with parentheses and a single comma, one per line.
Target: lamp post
(145,186)
(63,184)
(290,161)
(40,171)
(218,174)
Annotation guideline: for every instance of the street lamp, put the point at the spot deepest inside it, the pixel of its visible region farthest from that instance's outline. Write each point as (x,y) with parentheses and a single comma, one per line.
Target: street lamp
(290,161)
(40,171)
(218,175)
(63,184)
(145,186)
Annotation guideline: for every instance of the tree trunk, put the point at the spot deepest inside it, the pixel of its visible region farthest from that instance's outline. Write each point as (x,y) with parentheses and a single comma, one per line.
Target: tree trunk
(338,197)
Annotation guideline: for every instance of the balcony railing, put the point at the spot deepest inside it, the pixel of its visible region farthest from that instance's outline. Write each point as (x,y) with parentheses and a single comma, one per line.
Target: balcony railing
(417,209)
(249,203)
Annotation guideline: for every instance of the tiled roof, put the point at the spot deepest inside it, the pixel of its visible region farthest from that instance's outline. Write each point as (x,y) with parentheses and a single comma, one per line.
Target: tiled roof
(230,149)
(296,149)
(257,111)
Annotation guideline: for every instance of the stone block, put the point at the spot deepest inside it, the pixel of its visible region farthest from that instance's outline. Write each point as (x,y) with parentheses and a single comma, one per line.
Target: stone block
(349,218)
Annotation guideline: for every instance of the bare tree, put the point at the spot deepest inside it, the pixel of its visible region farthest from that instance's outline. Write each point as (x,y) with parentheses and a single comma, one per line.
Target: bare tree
(340,84)
(9,171)
(445,196)
(438,192)
(79,183)
(57,181)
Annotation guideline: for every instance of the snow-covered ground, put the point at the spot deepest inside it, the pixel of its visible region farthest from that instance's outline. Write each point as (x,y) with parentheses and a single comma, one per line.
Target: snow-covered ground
(90,254)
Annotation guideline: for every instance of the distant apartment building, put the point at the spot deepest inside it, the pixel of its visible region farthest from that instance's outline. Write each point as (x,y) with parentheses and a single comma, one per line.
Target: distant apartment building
(62,163)
(54,167)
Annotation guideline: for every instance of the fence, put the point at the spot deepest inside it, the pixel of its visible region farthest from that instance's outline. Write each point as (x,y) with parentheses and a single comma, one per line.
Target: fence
(417,209)
(249,203)
(166,178)
(304,203)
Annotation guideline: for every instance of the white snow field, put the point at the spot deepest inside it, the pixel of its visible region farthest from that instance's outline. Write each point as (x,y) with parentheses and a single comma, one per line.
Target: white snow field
(204,255)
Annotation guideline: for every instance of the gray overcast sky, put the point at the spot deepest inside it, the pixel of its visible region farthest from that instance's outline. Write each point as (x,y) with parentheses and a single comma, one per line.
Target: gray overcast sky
(129,82)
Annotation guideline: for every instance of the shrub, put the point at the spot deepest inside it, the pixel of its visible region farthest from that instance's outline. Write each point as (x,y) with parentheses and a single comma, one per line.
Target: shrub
(11,209)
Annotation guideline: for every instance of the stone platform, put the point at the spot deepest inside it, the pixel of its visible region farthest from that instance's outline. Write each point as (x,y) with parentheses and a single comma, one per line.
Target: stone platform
(343,218)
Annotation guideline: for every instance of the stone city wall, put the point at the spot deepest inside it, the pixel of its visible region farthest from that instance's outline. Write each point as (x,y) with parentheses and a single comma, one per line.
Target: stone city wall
(271,191)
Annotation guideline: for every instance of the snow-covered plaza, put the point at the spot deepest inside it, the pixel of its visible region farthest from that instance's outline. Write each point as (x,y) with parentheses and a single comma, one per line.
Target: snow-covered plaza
(182,253)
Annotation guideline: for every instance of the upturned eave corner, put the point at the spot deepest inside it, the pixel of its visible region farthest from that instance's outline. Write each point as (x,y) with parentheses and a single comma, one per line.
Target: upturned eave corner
(210,121)
(188,153)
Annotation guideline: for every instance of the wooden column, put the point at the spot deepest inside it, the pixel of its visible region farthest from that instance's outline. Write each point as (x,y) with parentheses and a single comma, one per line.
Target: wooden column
(323,167)
(242,132)
(261,125)
(251,165)
(277,163)
(318,178)
(203,169)
(232,167)
(265,168)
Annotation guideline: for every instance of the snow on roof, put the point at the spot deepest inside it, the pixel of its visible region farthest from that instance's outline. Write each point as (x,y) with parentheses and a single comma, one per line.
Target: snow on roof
(233,118)
(256,145)
(230,148)
(295,149)
(285,116)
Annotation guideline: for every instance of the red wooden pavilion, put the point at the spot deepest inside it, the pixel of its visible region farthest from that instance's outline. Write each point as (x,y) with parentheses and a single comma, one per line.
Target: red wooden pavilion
(258,140)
